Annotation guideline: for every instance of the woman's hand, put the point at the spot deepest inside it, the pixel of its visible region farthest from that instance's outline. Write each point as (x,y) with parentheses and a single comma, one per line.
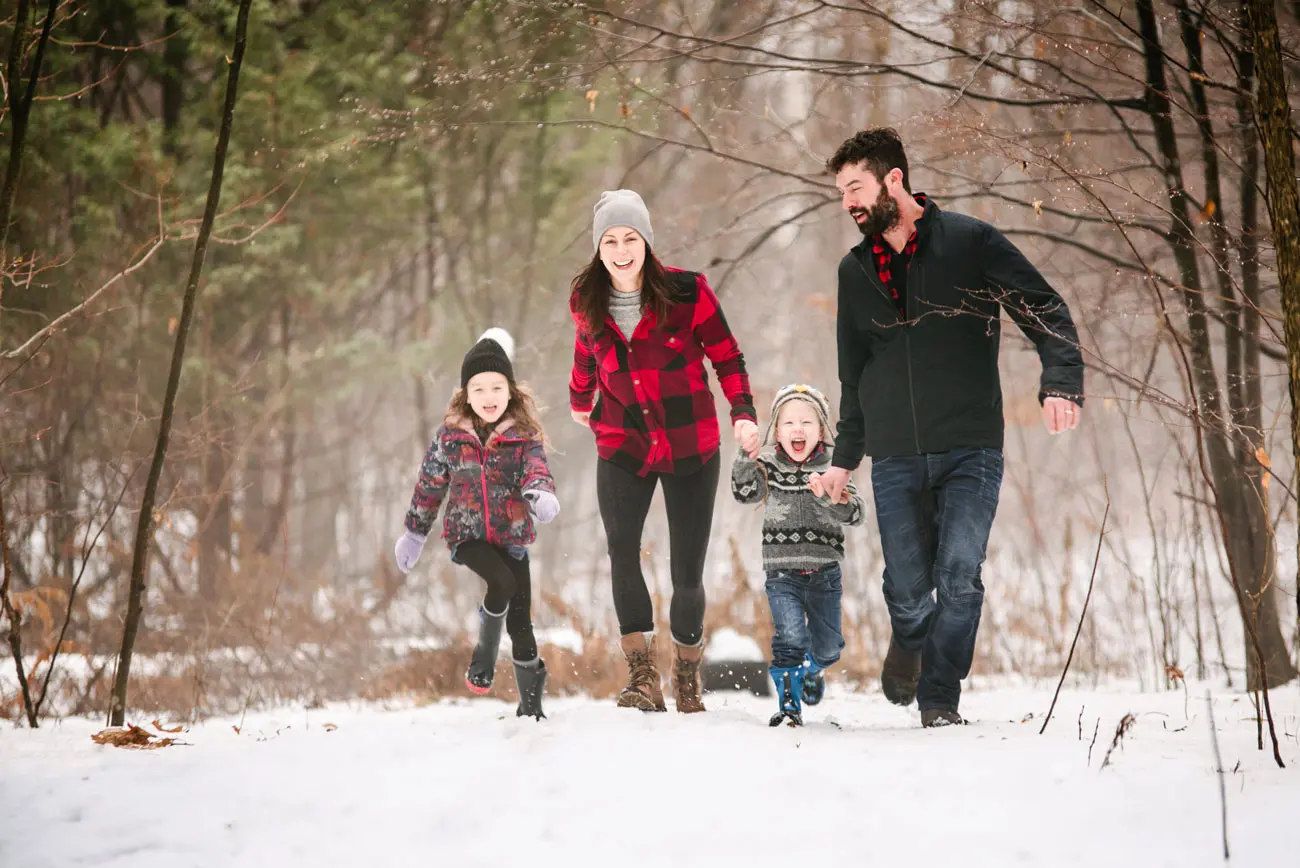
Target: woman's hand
(583,419)
(746,431)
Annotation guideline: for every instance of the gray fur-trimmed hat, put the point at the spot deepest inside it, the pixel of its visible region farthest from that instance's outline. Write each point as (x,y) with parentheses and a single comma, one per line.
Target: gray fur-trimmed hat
(621,208)
(801,392)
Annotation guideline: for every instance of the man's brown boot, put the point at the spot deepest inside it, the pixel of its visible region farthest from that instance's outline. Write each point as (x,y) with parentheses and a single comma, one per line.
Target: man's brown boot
(686,678)
(643,690)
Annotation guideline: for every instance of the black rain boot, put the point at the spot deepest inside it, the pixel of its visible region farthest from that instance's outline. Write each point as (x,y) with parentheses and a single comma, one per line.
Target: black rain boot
(900,673)
(483,662)
(530,678)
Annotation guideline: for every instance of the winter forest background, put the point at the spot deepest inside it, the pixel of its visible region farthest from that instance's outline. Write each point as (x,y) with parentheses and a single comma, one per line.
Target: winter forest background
(402,175)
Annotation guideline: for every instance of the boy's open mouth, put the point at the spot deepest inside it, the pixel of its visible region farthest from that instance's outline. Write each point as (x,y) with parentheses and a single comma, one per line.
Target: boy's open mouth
(797,444)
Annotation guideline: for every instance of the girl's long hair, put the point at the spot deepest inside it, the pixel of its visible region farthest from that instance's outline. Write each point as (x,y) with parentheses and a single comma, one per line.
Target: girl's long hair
(592,287)
(522,408)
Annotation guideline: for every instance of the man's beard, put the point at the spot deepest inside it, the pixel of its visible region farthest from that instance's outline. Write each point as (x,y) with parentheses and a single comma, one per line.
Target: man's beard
(881,217)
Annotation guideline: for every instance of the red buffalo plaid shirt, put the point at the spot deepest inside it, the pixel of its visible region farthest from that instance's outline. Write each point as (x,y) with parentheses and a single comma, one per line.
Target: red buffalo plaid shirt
(655,413)
(884,255)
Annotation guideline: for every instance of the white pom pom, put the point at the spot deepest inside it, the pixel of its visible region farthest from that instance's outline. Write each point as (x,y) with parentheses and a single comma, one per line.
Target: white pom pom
(502,337)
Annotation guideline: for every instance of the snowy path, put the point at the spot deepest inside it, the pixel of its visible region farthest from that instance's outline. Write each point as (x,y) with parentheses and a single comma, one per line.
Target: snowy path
(462,785)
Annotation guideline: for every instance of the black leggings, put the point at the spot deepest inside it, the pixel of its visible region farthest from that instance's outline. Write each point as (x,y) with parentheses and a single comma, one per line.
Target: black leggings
(624,503)
(508,584)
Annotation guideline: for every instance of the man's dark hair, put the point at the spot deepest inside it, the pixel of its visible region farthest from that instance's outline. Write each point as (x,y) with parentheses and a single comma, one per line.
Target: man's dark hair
(880,149)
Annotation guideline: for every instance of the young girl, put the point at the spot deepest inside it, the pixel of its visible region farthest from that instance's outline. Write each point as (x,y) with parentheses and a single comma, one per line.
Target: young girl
(488,462)
(803,543)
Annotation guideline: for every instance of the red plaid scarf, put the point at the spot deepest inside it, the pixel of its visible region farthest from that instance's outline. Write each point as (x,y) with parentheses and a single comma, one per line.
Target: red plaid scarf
(884,255)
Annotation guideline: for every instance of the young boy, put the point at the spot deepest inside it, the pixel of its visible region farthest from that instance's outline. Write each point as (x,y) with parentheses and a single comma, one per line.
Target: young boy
(803,543)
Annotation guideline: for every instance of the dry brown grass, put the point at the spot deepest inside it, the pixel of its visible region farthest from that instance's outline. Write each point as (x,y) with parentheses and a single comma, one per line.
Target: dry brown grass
(265,643)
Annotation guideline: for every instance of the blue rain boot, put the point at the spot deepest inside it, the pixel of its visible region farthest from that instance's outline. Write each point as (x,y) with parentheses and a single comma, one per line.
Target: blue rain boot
(814,683)
(789,690)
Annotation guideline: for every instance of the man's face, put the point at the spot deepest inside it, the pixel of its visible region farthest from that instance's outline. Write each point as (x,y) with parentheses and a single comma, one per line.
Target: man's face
(869,202)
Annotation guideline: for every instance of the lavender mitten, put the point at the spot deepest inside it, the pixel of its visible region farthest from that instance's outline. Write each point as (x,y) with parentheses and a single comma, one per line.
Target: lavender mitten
(543,505)
(408,550)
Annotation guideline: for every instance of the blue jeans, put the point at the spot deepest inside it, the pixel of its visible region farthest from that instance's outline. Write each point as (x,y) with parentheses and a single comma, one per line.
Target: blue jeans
(806,614)
(935,512)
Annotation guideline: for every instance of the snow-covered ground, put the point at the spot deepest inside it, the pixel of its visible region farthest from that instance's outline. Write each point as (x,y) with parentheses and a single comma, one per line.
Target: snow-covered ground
(466,784)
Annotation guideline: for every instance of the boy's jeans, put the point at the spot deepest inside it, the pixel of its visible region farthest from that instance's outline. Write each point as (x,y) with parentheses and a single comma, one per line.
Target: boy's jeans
(806,614)
(935,511)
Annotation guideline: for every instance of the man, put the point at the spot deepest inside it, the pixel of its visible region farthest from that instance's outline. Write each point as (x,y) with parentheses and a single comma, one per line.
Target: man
(917,334)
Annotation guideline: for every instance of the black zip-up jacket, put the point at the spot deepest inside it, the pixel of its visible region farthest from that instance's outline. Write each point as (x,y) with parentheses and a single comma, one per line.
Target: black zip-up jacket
(929,382)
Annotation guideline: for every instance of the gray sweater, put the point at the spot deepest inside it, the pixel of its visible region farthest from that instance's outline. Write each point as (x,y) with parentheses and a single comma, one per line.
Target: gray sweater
(800,530)
(625,308)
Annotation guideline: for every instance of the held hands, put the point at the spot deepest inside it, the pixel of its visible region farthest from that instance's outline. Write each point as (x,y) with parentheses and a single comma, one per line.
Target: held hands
(543,505)
(1060,414)
(746,432)
(819,486)
(408,549)
(583,419)
(834,482)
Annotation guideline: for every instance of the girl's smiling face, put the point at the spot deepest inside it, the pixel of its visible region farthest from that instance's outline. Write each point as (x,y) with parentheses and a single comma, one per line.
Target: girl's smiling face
(489,395)
(798,429)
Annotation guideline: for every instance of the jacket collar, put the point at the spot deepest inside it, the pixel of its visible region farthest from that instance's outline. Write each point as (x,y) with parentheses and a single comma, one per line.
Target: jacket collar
(466,426)
(819,456)
(924,224)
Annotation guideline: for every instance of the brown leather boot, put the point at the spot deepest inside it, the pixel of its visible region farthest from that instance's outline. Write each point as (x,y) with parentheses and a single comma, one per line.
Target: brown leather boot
(686,678)
(643,690)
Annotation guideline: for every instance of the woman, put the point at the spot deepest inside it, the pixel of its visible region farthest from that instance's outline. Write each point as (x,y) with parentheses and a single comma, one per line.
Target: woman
(643,332)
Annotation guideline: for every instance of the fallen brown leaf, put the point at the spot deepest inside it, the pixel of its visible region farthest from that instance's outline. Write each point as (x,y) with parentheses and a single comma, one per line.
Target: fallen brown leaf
(132,737)
(158,726)
(330,727)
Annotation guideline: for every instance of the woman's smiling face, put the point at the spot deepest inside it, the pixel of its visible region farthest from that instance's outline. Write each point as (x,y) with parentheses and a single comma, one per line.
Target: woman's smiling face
(622,250)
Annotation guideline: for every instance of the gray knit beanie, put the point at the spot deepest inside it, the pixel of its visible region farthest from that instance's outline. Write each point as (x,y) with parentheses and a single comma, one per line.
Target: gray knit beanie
(621,208)
(801,392)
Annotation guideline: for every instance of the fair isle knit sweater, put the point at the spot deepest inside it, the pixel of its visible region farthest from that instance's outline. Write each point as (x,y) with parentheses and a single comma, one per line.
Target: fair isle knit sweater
(800,530)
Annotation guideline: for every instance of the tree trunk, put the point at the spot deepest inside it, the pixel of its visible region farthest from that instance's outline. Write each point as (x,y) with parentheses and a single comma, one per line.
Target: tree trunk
(318,538)
(215,530)
(144,528)
(275,521)
(14,635)
(1255,596)
(1249,527)
(176,52)
(20,107)
(1273,115)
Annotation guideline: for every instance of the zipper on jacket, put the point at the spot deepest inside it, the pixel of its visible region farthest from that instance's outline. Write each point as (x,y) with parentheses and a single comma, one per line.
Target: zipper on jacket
(907,348)
(907,340)
(482,476)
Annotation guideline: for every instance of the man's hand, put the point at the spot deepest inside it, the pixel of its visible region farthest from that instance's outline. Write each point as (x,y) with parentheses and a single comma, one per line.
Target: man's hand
(1060,414)
(817,485)
(583,419)
(834,482)
(747,436)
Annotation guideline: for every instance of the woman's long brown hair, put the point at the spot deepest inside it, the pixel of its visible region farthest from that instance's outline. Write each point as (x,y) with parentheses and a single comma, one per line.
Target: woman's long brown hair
(593,286)
(522,408)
